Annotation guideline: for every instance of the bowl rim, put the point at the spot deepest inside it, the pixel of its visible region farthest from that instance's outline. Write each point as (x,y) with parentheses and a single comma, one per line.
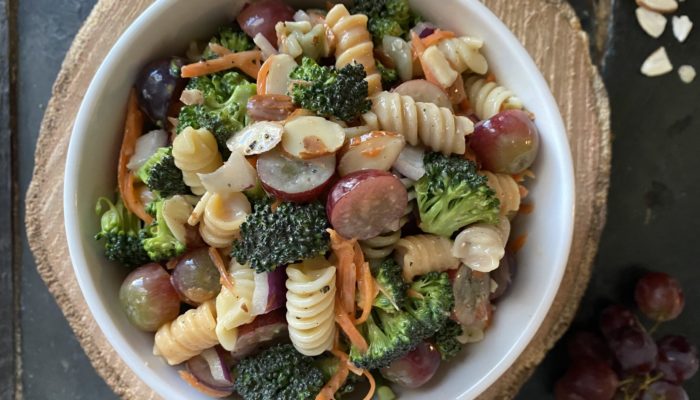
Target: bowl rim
(77,250)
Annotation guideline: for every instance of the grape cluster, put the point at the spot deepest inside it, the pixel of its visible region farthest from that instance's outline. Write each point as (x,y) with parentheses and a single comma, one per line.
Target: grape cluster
(622,360)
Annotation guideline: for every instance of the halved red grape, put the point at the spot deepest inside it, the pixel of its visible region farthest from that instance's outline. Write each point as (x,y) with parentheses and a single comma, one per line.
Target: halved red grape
(661,390)
(659,296)
(588,346)
(196,278)
(507,142)
(586,381)
(262,16)
(158,86)
(415,368)
(614,318)
(265,330)
(148,298)
(503,276)
(634,349)
(678,358)
(294,179)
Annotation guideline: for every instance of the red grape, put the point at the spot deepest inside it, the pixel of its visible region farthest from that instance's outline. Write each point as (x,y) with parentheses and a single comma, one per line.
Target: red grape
(262,16)
(659,296)
(507,142)
(196,278)
(587,380)
(678,358)
(614,318)
(588,346)
(503,276)
(634,349)
(661,390)
(148,297)
(415,368)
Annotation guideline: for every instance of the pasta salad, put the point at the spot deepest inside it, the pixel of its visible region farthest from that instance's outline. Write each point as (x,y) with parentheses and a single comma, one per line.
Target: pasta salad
(317,202)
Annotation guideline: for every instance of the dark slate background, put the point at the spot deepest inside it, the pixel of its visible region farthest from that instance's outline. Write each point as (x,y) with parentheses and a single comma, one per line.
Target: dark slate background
(653,213)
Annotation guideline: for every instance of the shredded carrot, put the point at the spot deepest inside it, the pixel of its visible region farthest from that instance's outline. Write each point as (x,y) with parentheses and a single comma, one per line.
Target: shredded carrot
(372,385)
(262,76)
(523,191)
(218,49)
(133,128)
(465,105)
(516,244)
(419,49)
(367,288)
(246,61)
(219,263)
(336,381)
(355,337)
(346,276)
(490,77)
(437,36)
(526,209)
(195,383)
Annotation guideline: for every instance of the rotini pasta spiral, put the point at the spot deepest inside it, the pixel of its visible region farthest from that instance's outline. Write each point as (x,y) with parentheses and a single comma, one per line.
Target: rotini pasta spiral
(188,335)
(302,38)
(195,151)
(507,191)
(233,307)
(489,98)
(481,246)
(382,246)
(222,218)
(354,43)
(435,127)
(421,254)
(311,305)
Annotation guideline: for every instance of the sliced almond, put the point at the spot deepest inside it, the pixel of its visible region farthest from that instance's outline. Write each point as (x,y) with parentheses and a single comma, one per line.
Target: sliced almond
(662,6)
(657,63)
(686,73)
(191,97)
(236,175)
(652,22)
(310,137)
(256,138)
(681,27)
(374,150)
(176,211)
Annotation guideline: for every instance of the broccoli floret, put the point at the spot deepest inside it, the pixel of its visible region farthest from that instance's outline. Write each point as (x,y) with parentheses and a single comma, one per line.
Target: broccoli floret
(392,288)
(279,372)
(386,17)
(161,175)
(289,233)
(330,92)
(452,195)
(329,366)
(158,240)
(431,300)
(446,340)
(120,229)
(224,109)
(231,37)
(389,75)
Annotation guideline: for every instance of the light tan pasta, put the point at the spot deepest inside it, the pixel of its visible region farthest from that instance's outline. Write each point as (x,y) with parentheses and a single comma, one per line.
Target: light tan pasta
(481,246)
(489,98)
(451,57)
(303,39)
(234,307)
(435,127)
(383,245)
(507,192)
(222,217)
(195,151)
(421,254)
(310,306)
(188,335)
(354,43)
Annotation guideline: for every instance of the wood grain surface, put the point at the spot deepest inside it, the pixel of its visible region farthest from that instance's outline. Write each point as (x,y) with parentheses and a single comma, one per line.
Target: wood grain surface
(548,29)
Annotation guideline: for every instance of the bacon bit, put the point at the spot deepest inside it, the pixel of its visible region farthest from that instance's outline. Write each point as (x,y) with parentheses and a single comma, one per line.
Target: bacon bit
(372,385)
(353,335)
(246,61)
(219,50)
(436,37)
(133,128)
(195,383)
(526,209)
(490,77)
(516,244)
(219,263)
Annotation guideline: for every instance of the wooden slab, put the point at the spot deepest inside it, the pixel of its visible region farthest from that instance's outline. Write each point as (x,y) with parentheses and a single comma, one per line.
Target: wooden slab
(549,30)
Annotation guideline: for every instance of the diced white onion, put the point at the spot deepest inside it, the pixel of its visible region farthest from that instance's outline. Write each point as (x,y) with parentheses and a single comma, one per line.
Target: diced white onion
(236,175)
(146,146)
(265,46)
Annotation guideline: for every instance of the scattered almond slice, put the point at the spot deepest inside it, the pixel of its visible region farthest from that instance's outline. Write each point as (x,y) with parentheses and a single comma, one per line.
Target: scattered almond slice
(657,63)
(309,137)
(662,6)
(687,73)
(681,27)
(652,22)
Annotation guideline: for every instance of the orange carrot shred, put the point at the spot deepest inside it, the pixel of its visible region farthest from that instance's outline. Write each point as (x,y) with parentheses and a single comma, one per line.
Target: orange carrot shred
(246,61)
(368,290)
(346,276)
(437,36)
(262,76)
(219,263)
(195,383)
(133,128)
(372,385)
(516,244)
(419,49)
(218,49)
(336,381)
(355,337)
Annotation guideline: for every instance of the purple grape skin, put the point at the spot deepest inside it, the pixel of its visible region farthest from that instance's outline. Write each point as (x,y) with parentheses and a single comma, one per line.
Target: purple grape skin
(661,390)
(659,296)
(587,380)
(615,317)
(634,349)
(584,345)
(678,358)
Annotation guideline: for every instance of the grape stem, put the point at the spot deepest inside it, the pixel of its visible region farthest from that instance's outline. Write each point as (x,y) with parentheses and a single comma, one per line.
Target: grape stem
(648,380)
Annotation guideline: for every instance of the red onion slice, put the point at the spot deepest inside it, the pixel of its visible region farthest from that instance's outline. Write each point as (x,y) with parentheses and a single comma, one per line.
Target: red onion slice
(270,292)
(211,370)
(410,162)
(424,29)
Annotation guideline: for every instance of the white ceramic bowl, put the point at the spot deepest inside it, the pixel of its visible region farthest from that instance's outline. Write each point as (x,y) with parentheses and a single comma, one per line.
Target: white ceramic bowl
(165,28)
